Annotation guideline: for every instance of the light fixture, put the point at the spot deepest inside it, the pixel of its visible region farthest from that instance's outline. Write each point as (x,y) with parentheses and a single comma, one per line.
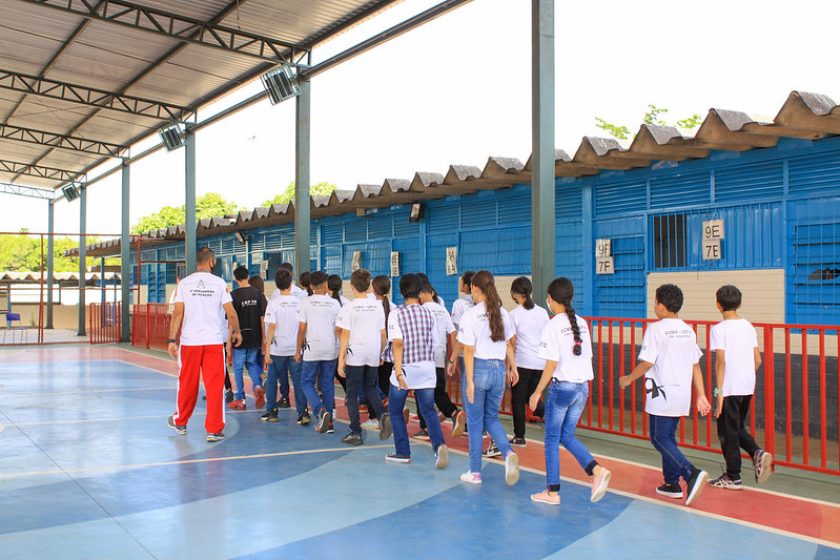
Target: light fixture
(280,84)
(70,192)
(171,136)
(416,212)
(240,236)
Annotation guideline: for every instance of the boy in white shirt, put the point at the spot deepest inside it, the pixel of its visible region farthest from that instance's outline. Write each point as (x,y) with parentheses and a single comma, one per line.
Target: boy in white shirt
(737,358)
(669,361)
(362,324)
(465,301)
(318,349)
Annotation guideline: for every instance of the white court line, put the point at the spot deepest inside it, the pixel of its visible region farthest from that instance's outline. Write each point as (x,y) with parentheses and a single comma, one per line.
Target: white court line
(90,391)
(121,418)
(146,367)
(111,468)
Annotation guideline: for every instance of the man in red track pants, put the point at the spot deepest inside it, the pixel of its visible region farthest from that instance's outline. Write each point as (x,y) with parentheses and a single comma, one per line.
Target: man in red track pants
(202,303)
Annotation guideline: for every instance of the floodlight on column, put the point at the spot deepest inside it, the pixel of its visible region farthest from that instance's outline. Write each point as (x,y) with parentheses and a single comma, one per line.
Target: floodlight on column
(70,192)
(172,137)
(280,84)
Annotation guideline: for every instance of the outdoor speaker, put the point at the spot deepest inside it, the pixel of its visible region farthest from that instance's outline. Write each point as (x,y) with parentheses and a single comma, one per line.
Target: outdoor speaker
(171,136)
(416,212)
(240,236)
(70,192)
(280,84)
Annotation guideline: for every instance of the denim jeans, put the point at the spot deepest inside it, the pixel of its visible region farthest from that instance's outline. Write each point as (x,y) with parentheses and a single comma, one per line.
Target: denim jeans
(362,380)
(282,368)
(662,435)
(563,407)
(242,358)
(426,402)
(322,372)
(483,412)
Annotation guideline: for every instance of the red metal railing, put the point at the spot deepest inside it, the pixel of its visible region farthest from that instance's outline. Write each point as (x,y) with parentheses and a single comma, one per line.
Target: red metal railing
(150,325)
(104,322)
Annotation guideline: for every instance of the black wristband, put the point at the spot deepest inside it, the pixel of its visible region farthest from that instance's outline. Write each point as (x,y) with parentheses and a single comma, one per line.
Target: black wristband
(171,341)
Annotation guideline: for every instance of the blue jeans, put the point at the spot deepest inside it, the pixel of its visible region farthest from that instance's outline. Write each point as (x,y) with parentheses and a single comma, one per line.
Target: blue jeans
(242,358)
(281,368)
(322,372)
(426,402)
(483,412)
(662,435)
(362,380)
(563,407)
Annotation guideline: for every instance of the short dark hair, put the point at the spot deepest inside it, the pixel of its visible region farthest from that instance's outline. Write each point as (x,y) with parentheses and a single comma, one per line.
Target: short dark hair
(729,297)
(288,266)
(283,279)
(466,278)
(410,286)
(317,278)
(241,273)
(305,279)
(671,296)
(205,254)
(257,282)
(360,280)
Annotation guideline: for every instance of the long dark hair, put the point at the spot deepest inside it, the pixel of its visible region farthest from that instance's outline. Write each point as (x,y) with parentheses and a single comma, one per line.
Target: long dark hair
(523,287)
(562,291)
(381,286)
(484,281)
(426,281)
(334,285)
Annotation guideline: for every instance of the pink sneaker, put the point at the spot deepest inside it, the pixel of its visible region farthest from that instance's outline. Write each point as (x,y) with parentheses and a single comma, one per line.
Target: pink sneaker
(471,477)
(600,482)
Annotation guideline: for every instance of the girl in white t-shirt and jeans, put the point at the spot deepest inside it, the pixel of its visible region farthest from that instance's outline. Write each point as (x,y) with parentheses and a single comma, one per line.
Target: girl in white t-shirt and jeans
(566,346)
(484,332)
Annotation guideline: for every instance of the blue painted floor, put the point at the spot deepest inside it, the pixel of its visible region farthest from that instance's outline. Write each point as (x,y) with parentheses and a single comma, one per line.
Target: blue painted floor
(89,469)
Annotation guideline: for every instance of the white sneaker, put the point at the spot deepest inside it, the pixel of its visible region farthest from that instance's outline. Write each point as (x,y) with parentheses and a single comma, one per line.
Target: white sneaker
(511,468)
(471,477)
(372,425)
(442,457)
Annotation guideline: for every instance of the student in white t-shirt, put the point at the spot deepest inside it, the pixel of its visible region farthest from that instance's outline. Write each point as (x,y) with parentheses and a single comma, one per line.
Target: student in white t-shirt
(281,320)
(295,290)
(362,324)
(461,305)
(318,349)
(381,287)
(566,346)
(485,332)
(335,285)
(669,362)
(737,358)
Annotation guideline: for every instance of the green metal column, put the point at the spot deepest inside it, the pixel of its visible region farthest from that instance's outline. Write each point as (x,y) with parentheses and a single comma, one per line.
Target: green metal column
(190,222)
(543,218)
(50,261)
(82,257)
(125,256)
(302,225)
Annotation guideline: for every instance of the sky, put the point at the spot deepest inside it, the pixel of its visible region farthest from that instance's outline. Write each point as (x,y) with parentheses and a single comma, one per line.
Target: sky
(457,91)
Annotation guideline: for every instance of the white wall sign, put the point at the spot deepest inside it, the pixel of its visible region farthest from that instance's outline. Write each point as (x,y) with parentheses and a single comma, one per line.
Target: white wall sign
(603,248)
(451,261)
(604,265)
(357,261)
(711,250)
(395,264)
(263,268)
(713,229)
(713,232)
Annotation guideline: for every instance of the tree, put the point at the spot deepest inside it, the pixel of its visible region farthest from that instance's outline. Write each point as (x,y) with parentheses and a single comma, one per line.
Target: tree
(652,116)
(22,253)
(206,206)
(288,194)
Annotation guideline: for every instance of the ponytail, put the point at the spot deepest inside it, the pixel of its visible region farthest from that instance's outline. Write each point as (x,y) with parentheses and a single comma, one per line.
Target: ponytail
(381,286)
(483,280)
(561,290)
(334,284)
(523,287)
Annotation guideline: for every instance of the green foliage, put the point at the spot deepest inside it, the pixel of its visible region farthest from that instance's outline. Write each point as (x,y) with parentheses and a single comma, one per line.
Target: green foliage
(288,194)
(690,122)
(614,130)
(654,115)
(206,206)
(22,253)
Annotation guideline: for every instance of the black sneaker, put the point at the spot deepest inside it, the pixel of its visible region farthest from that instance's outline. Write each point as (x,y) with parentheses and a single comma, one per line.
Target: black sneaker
(422,435)
(696,483)
(397,458)
(323,422)
(228,396)
(283,403)
(518,442)
(215,437)
(491,451)
(352,439)
(670,491)
(180,430)
(763,464)
(304,419)
(270,416)
(385,429)
(726,482)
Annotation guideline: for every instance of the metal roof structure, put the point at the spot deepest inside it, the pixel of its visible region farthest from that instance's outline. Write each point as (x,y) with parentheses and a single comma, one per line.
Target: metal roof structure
(803,115)
(83,80)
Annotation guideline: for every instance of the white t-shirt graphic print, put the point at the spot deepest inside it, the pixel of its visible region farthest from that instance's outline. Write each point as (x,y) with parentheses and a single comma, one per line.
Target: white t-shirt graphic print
(738,340)
(671,346)
(319,312)
(365,319)
(558,345)
(283,312)
(528,325)
(204,296)
(474,330)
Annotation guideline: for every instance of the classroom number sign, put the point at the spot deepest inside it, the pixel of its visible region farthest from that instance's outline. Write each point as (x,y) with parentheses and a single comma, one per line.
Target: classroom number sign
(604,262)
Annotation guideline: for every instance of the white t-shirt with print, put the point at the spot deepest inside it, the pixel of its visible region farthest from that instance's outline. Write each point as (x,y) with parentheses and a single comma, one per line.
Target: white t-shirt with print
(365,319)
(319,312)
(738,340)
(474,330)
(443,328)
(283,312)
(528,326)
(459,307)
(557,344)
(204,296)
(418,375)
(671,346)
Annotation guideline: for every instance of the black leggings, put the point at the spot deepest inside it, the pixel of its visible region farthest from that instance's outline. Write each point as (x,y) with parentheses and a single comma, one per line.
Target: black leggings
(519,395)
(442,400)
(733,434)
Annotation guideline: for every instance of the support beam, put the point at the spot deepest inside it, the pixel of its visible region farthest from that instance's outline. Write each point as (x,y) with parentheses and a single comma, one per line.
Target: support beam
(189,200)
(125,256)
(31,192)
(62,141)
(82,257)
(302,205)
(50,261)
(168,24)
(543,217)
(51,173)
(91,97)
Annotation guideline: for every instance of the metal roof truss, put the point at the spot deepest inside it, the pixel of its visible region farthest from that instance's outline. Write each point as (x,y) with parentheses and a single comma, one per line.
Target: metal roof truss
(31,192)
(75,143)
(50,173)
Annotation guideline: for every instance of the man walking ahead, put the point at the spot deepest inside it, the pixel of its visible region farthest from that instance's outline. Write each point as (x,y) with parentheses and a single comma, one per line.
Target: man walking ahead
(202,303)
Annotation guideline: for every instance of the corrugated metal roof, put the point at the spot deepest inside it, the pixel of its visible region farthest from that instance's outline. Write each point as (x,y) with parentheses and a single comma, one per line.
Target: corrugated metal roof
(35,278)
(46,39)
(803,115)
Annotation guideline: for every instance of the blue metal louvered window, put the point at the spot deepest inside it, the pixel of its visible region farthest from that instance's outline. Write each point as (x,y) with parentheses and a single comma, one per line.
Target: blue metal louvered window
(749,182)
(623,293)
(620,198)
